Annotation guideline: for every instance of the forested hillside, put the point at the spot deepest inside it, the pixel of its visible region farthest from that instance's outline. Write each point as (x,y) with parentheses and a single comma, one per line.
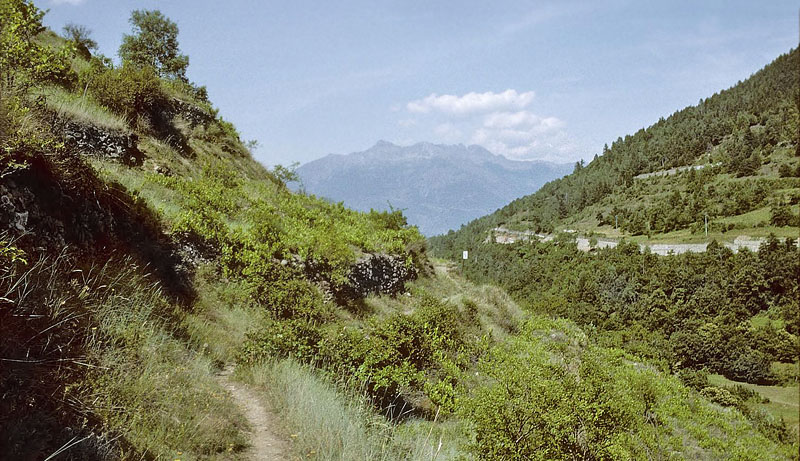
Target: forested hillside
(745,141)
(149,268)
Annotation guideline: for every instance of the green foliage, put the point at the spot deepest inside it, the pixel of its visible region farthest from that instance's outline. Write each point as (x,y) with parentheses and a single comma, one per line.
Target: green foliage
(20,55)
(291,338)
(536,409)
(425,352)
(128,90)
(781,215)
(695,379)
(154,44)
(80,36)
(687,310)
(720,396)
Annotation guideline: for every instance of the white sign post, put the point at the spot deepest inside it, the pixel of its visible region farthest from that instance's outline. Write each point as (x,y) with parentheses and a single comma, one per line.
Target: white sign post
(465,254)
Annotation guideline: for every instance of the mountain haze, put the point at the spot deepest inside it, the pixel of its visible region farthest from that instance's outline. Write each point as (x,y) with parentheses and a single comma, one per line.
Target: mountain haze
(438,187)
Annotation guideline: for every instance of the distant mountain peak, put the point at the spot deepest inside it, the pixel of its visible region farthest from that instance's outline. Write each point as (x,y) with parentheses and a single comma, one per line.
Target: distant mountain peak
(441,186)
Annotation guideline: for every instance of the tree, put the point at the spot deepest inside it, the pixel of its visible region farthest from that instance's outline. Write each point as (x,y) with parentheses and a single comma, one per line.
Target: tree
(781,215)
(79,35)
(20,23)
(154,43)
(286,174)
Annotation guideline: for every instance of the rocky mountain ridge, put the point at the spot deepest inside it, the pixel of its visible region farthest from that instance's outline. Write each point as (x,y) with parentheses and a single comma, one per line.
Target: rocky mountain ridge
(439,187)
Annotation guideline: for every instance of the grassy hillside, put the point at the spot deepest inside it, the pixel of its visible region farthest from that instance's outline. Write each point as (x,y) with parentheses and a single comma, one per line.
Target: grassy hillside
(741,143)
(143,251)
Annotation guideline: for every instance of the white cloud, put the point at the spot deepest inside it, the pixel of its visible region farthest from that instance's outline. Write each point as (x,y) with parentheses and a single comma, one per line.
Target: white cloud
(523,119)
(500,122)
(67,2)
(471,103)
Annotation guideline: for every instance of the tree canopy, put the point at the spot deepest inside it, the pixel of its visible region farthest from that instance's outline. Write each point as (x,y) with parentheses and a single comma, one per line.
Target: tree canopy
(154,43)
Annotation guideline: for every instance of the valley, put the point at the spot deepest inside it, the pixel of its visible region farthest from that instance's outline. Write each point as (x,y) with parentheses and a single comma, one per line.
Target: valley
(166,296)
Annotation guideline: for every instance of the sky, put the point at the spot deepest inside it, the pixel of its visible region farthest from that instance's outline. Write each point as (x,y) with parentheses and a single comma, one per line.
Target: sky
(550,81)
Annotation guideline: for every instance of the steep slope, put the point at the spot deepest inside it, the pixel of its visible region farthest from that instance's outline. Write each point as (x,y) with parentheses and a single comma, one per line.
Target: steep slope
(438,187)
(143,251)
(745,139)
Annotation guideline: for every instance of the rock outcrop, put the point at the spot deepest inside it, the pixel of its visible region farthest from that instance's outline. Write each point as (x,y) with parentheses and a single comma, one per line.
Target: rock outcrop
(380,273)
(191,113)
(95,141)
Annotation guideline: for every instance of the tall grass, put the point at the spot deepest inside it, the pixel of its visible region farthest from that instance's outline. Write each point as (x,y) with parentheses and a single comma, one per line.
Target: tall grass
(221,316)
(82,109)
(334,421)
(147,385)
(105,352)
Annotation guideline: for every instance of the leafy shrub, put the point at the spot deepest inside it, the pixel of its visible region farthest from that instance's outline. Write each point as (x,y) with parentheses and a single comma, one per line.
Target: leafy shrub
(720,396)
(751,366)
(129,91)
(534,408)
(296,299)
(696,379)
(20,55)
(277,339)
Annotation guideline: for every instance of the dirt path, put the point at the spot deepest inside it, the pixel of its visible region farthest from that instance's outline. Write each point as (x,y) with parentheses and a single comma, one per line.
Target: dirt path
(265,444)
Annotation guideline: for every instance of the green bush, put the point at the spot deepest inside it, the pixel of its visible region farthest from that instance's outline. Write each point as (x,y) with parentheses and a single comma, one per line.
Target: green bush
(279,339)
(129,90)
(296,299)
(696,379)
(720,396)
(534,409)
(21,56)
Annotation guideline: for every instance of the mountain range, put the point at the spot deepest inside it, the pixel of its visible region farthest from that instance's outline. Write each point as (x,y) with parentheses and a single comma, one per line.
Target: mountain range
(438,187)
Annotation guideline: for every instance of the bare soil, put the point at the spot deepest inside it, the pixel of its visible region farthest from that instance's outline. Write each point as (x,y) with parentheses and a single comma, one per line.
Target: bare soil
(265,444)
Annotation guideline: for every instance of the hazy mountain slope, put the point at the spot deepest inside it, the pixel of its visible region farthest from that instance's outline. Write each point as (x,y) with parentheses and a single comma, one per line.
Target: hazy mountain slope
(746,135)
(439,187)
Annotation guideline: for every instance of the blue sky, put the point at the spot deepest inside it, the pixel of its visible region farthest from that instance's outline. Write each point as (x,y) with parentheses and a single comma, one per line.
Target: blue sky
(530,80)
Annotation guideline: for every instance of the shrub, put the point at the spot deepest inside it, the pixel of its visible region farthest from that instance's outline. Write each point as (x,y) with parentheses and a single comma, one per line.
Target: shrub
(129,91)
(781,215)
(295,299)
(696,379)
(278,339)
(535,409)
(750,366)
(720,396)
(20,55)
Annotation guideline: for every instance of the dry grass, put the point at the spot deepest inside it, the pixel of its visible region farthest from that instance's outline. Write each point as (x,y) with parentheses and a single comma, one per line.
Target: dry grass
(120,364)
(82,109)
(326,423)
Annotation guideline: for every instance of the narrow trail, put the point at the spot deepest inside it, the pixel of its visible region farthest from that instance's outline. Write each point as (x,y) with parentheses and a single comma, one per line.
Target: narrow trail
(265,445)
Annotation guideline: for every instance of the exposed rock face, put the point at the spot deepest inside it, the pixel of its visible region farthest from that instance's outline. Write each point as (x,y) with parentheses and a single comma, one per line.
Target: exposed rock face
(371,274)
(380,273)
(91,140)
(191,113)
(45,212)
